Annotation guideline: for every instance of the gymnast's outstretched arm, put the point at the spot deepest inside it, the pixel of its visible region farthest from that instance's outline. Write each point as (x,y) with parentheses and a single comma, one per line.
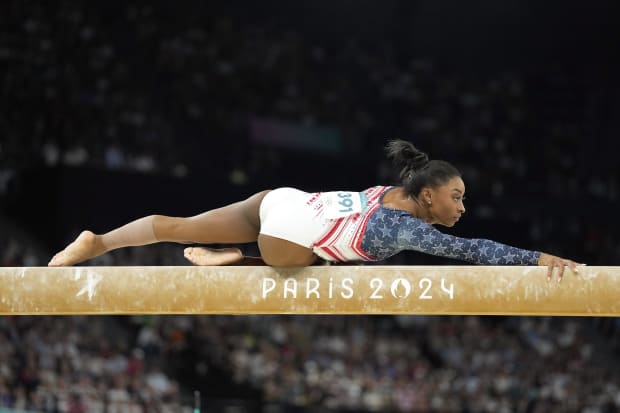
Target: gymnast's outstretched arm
(414,234)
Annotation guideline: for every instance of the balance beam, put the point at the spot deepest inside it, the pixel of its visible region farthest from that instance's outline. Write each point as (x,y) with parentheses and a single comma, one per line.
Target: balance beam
(505,290)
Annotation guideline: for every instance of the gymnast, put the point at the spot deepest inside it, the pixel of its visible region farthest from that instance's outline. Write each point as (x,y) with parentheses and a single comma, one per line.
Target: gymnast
(295,228)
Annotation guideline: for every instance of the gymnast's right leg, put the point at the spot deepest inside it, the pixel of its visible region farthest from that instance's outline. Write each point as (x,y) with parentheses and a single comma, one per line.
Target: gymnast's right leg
(235,223)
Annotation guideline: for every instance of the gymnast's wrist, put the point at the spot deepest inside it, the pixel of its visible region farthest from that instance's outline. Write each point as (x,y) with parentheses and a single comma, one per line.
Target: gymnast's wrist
(544,258)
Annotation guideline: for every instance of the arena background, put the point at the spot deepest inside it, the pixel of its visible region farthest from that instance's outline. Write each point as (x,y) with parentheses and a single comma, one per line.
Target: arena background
(114,110)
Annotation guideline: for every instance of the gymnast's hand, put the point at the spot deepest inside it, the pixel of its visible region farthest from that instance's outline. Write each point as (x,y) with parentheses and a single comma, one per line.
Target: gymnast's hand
(551,261)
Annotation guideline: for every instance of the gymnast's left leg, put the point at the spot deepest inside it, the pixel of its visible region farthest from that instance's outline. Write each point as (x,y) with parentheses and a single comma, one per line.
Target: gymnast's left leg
(233,224)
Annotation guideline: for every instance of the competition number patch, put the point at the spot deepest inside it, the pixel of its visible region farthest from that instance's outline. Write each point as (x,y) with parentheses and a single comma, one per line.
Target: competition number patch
(340,204)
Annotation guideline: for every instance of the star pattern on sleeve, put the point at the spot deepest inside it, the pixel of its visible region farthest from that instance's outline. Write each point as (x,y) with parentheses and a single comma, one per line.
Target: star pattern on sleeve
(379,215)
(376,242)
(407,235)
(391,231)
(458,245)
(385,231)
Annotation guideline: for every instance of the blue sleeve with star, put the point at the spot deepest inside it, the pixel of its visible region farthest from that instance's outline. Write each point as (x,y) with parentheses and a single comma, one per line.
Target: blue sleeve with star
(391,231)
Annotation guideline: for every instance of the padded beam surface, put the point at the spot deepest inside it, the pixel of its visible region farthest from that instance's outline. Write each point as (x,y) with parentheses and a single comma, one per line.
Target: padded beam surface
(506,290)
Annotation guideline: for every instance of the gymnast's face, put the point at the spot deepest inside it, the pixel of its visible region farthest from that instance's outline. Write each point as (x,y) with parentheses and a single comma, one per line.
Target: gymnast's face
(445,203)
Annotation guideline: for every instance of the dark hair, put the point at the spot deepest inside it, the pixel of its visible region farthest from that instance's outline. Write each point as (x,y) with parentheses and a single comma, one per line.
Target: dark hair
(416,170)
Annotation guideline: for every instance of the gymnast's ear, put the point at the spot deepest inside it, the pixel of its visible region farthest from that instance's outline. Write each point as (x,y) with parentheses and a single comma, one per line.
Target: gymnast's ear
(426,196)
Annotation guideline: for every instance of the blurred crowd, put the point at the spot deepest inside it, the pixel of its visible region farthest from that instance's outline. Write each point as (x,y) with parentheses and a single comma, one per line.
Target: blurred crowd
(150,89)
(81,364)
(419,364)
(125,88)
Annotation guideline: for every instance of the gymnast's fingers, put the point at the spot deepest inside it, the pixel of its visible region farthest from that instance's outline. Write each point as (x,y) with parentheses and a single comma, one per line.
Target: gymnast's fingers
(549,270)
(561,267)
(574,266)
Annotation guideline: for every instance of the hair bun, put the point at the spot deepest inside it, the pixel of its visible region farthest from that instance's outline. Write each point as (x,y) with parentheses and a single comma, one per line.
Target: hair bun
(405,156)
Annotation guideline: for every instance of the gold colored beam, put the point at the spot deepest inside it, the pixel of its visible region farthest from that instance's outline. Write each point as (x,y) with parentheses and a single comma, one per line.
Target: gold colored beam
(368,289)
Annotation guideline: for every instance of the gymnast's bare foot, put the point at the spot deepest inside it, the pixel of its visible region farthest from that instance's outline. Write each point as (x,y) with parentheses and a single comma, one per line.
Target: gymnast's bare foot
(210,256)
(85,247)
